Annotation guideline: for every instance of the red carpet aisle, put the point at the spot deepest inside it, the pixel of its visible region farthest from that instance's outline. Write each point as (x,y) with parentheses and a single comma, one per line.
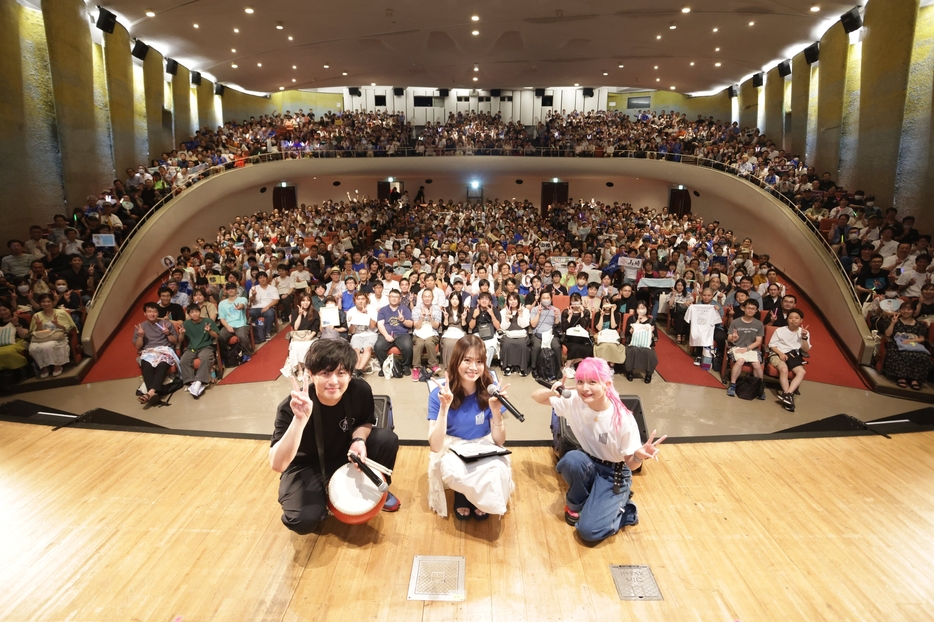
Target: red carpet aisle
(265,363)
(828,363)
(118,358)
(676,365)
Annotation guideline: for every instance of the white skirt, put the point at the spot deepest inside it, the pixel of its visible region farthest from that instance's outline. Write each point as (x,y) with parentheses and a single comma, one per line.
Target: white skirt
(487,483)
(50,353)
(296,356)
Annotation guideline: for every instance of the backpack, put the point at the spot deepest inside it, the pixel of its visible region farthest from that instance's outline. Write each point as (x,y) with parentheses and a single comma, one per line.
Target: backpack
(392,367)
(234,355)
(749,387)
(547,367)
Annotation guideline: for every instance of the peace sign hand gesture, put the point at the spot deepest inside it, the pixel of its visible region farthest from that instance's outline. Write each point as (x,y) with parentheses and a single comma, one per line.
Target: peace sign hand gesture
(650,449)
(301,403)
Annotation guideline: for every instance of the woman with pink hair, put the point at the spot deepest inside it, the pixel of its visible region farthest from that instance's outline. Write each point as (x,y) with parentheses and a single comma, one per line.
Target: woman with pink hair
(599,474)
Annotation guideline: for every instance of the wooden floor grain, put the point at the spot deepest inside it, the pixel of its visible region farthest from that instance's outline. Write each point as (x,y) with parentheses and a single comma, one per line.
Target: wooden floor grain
(98,525)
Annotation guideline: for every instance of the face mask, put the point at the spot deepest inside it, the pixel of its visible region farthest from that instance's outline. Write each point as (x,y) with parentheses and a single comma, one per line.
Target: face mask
(641,312)
(764,271)
(23,289)
(61,288)
(870,203)
(891,294)
(738,278)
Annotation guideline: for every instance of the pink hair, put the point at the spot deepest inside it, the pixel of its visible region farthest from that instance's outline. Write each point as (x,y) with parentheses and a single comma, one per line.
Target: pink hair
(593,368)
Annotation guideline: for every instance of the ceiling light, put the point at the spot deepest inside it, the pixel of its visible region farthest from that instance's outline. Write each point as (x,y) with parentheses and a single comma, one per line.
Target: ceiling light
(656,66)
(290,37)
(606,73)
(259,64)
(234,65)
(327,66)
(692,63)
(752,23)
(279,26)
(475,78)
(716,29)
(717,64)
(815,9)
(576,84)
(372,84)
(294,66)
(153,13)
(672,26)
(686,9)
(658,79)
(248,11)
(475,18)
(195,25)
(233,50)
(716,49)
(658,36)
(237,30)
(475,33)
(344,74)
(294,80)
(672,88)
(281,88)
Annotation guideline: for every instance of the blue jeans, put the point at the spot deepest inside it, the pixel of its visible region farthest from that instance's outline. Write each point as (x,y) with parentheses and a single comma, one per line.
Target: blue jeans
(591,494)
(269,318)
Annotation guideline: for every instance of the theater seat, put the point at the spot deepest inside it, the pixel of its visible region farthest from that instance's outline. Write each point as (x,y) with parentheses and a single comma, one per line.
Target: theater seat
(770,370)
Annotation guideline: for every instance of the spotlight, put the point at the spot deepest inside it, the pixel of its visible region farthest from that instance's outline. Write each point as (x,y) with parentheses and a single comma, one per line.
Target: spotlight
(672,26)
(475,18)
(686,9)
(475,184)
(279,26)
(248,11)
(150,13)
(815,9)
(475,33)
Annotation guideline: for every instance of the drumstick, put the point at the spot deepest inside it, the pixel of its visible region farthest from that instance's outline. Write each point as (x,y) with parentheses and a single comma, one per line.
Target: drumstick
(380,484)
(376,466)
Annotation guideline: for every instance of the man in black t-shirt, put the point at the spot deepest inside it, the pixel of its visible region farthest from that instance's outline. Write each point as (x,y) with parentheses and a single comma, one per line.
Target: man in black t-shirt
(345,405)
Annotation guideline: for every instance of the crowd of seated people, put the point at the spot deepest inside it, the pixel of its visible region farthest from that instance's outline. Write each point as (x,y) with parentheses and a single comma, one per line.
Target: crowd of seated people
(67,258)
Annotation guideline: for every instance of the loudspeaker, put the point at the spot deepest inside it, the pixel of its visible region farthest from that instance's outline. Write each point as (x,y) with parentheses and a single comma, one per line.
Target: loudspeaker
(784,68)
(495,92)
(219,89)
(196,78)
(539,92)
(443,92)
(758,79)
(171,66)
(812,53)
(106,21)
(354,91)
(851,20)
(588,92)
(732,91)
(140,50)
(398,91)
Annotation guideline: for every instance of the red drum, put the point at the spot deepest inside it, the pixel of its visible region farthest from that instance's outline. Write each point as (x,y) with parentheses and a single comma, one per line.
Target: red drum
(352,497)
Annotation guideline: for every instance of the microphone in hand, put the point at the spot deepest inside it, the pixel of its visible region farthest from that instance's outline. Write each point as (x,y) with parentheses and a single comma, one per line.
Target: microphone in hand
(494,392)
(563,392)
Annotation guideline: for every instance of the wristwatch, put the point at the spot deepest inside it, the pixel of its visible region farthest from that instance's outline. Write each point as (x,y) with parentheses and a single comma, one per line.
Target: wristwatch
(357,438)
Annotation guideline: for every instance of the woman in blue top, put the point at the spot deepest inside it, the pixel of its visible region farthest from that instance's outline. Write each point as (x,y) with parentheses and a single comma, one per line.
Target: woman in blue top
(462,415)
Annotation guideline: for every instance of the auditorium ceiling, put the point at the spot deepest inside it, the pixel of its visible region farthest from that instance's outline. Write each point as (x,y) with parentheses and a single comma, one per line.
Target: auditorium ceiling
(518,43)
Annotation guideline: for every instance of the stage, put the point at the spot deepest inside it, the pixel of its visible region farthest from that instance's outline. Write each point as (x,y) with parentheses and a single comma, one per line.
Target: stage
(111,525)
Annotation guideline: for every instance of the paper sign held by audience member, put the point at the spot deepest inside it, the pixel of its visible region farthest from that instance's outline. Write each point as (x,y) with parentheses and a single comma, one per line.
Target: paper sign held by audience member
(330,317)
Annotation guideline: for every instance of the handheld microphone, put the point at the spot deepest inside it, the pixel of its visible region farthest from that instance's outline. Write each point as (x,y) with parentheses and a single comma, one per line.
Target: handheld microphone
(494,391)
(565,393)
(381,485)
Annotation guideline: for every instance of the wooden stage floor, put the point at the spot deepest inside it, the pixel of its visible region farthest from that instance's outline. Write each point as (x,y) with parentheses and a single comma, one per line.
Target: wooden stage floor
(102,525)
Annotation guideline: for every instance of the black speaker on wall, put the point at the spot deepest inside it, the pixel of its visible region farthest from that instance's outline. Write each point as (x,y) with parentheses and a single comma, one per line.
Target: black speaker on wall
(812,53)
(219,89)
(851,20)
(354,91)
(495,92)
(758,79)
(171,66)
(196,78)
(588,92)
(443,92)
(539,92)
(398,91)
(732,91)
(106,20)
(140,50)
(784,68)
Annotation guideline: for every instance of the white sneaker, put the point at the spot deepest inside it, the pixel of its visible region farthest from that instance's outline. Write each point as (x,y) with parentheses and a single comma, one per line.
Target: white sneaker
(195,388)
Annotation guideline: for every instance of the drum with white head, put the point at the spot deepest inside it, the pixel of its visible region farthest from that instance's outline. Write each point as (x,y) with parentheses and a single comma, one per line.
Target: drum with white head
(352,497)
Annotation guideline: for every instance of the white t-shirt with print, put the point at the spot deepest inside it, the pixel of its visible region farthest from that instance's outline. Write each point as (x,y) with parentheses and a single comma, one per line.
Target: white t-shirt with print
(594,430)
(703,319)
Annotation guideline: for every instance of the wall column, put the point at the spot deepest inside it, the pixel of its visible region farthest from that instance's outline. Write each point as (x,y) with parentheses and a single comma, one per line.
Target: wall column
(774,106)
(84,168)
(831,87)
(206,114)
(800,95)
(748,104)
(887,45)
(119,69)
(181,105)
(154,89)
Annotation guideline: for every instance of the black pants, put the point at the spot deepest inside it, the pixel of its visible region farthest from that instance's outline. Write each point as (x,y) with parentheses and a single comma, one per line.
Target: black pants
(403,342)
(303,491)
(154,376)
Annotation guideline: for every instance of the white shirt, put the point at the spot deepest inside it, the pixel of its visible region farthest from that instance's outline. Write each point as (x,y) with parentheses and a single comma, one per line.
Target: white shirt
(284,284)
(360,319)
(892,261)
(594,430)
(786,340)
(703,319)
(263,296)
(913,290)
(378,303)
(886,249)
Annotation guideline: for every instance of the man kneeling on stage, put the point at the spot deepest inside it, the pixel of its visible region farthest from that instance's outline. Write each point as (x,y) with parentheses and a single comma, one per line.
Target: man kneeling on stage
(344,405)
(599,474)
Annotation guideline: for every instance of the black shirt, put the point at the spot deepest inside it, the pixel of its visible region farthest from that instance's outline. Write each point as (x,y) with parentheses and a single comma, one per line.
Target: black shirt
(356,408)
(174,311)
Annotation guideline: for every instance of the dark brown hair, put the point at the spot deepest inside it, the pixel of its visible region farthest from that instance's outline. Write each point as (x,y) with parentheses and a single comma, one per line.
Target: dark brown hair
(464,346)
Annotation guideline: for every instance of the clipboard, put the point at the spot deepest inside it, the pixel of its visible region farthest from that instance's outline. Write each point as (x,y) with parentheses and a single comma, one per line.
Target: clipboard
(482,451)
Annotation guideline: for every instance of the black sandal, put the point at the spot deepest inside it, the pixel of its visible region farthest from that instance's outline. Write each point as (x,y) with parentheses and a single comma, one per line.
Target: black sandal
(903,383)
(479,515)
(915,385)
(461,503)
